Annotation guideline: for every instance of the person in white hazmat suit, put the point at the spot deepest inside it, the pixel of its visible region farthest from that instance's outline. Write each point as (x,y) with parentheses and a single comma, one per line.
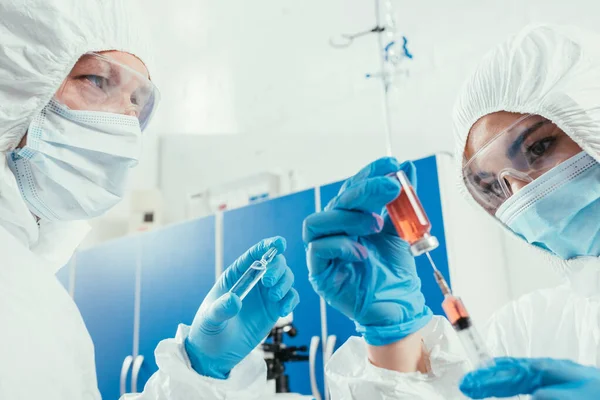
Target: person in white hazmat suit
(75,95)
(528,145)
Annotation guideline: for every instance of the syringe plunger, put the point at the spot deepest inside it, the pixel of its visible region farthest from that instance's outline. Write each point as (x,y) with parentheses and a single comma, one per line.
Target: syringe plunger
(475,348)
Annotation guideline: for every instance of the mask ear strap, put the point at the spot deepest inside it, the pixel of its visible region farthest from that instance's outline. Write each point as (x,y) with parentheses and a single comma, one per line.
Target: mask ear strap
(513,173)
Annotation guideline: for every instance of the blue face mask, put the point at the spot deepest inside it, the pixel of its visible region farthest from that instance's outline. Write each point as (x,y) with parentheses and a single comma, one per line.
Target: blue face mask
(75,163)
(560,210)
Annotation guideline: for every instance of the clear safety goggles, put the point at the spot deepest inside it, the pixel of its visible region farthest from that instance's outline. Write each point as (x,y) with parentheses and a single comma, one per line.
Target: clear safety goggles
(100,83)
(514,157)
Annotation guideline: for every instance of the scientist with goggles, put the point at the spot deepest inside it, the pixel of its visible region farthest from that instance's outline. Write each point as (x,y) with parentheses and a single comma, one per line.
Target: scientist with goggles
(528,142)
(75,97)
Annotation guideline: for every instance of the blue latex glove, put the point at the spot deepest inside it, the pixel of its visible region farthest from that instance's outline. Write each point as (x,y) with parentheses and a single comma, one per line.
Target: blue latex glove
(543,378)
(224,331)
(357,262)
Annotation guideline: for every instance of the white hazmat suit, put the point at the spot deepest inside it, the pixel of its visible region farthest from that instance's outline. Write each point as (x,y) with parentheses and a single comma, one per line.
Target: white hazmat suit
(47,352)
(553,72)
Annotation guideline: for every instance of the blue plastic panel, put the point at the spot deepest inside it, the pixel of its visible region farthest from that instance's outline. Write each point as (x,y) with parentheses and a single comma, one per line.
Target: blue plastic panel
(282,216)
(178,271)
(104,293)
(429,192)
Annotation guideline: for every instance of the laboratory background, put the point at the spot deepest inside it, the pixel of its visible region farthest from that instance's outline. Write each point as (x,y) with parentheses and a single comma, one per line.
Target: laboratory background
(266,107)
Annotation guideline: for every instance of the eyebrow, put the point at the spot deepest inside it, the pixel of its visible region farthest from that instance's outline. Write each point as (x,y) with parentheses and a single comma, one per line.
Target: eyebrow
(90,65)
(516,145)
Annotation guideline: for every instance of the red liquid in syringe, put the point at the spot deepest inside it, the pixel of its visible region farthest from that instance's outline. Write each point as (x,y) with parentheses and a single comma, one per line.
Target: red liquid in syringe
(456,312)
(454,309)
(475,348)
(409,218)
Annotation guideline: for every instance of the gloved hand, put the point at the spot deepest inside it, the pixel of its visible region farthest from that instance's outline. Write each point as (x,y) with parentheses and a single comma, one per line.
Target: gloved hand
(357,262)
(224,330)
(544,378)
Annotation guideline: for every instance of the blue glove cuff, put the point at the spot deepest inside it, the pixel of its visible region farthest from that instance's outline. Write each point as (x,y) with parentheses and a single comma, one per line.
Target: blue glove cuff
(204,367)
(384,335)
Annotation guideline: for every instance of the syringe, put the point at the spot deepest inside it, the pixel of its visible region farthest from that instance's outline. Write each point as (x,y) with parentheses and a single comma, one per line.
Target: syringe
(250,278)
(413,226)
(458,316)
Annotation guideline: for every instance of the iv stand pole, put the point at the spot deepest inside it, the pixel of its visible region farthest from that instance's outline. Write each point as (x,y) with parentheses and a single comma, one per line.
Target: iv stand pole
(385,81)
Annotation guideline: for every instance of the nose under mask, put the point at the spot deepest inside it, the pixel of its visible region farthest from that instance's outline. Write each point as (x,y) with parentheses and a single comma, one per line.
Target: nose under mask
(560,210)
(75,164)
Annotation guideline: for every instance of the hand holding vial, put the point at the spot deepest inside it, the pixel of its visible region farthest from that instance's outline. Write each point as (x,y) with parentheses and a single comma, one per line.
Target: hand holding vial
(225,329)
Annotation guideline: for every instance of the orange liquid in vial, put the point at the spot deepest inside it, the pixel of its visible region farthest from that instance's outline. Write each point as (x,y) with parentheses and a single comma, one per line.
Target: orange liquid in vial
(454,309)
(408,216)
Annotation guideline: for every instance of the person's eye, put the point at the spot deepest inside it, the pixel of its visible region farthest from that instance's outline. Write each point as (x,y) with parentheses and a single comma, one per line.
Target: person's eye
(487,187)
(135,99)
(140,98)
(539,149)
(98,81)
(493,188)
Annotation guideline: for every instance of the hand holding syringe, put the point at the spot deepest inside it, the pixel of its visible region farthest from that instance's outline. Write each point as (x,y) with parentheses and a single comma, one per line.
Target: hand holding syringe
(413,226)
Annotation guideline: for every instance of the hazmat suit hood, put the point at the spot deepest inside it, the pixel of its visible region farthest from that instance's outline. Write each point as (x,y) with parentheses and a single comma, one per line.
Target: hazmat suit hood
(40,42)
(552,71)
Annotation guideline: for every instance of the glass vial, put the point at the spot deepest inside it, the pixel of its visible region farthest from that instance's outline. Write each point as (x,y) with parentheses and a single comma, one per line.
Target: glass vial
(410,220)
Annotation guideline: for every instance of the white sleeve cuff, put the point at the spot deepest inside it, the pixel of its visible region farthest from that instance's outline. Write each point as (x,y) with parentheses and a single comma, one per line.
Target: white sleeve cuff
(350,374)
(177,380)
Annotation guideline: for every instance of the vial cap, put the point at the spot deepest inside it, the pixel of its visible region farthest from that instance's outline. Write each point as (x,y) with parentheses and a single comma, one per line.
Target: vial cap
(427,243)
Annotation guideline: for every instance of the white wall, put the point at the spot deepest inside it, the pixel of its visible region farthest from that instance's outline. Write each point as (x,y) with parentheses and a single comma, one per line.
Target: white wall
(250,86)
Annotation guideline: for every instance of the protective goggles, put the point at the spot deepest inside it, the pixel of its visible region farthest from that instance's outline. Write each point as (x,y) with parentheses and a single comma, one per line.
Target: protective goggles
(100,83)
(514,157)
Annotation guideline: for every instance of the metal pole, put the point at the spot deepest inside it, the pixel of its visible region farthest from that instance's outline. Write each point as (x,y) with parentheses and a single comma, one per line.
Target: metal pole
(386,83)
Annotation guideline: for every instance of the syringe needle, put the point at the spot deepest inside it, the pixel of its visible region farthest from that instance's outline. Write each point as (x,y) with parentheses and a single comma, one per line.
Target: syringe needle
(431,261)
(439,278)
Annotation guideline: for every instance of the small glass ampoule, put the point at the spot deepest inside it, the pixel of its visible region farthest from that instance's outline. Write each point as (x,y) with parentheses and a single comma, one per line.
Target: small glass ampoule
(250,278)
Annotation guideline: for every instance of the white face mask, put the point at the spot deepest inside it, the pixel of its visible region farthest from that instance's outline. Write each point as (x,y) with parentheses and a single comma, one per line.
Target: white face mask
(75,164)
